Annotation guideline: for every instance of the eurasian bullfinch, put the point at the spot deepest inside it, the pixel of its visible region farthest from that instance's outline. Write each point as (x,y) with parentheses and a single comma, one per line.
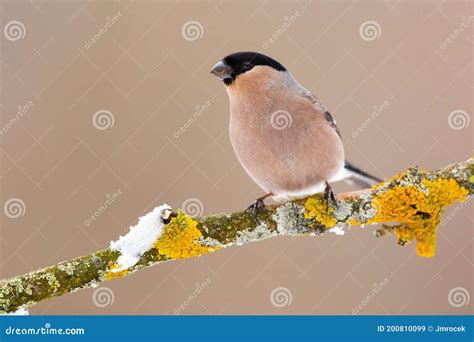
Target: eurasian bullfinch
(284,137)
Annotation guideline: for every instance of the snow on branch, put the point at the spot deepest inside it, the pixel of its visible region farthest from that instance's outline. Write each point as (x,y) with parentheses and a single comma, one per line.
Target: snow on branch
(412,203)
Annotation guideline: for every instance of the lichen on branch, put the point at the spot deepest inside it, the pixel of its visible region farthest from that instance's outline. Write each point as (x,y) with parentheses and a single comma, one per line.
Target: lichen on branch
(419,209)
(411,203)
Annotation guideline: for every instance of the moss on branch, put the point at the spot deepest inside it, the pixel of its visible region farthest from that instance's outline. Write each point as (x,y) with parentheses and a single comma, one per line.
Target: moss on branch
(412,202)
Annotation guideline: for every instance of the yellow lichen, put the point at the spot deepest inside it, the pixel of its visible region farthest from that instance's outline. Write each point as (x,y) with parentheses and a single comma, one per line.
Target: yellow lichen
(114,272)
(419,212)
(353,222)
(316,208)
(178,239)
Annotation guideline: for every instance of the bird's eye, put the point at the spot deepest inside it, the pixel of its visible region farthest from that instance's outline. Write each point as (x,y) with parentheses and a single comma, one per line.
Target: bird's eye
(247,66)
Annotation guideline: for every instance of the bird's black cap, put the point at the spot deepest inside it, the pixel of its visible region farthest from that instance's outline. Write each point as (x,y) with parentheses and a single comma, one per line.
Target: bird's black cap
(238,59)
(240,62)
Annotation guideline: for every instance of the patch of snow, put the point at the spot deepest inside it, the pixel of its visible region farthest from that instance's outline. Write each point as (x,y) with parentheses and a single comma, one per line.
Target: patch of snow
(337,230)
(140,238)
(21,311)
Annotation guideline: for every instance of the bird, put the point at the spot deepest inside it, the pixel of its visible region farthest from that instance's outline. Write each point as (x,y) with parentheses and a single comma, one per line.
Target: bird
(283,136)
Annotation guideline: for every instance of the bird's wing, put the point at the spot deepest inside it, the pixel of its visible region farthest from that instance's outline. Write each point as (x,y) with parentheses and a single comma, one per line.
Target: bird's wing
(349,171)
(321,109)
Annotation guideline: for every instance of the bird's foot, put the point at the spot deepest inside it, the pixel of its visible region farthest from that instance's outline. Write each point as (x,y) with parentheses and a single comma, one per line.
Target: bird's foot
(329,196)
(257,206)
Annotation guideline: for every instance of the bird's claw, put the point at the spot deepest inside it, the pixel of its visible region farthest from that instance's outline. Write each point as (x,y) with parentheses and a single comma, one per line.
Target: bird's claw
(329,196)
(255,207)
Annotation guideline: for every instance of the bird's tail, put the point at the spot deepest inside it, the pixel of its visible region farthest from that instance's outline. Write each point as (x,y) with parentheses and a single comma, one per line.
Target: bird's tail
(360,176)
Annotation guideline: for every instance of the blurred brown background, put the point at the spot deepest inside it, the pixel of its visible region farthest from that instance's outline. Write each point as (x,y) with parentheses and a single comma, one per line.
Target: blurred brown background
(143,67)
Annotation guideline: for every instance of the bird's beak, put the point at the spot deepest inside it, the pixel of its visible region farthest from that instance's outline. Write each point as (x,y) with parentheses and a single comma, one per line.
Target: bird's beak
(222,71)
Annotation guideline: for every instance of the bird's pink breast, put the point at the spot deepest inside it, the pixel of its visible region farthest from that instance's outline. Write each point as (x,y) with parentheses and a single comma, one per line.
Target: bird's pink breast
(287,159)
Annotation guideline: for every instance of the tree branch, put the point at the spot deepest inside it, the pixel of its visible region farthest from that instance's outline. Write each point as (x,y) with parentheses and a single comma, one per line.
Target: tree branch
(412,201)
